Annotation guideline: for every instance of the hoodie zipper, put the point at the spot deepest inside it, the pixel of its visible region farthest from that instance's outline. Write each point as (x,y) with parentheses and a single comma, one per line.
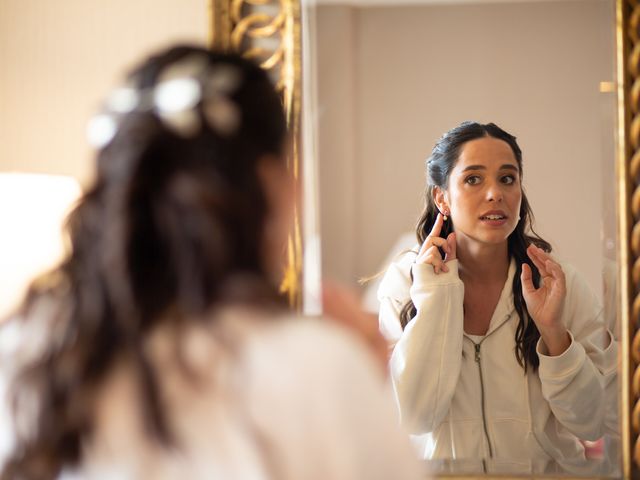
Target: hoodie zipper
(484,415)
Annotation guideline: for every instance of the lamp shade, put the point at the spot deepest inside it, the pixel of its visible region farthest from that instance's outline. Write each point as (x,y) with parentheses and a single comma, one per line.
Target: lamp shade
(32,211)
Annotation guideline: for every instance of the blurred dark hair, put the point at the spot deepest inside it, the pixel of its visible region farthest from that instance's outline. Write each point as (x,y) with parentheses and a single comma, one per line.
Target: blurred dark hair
(171,227)
(443,159)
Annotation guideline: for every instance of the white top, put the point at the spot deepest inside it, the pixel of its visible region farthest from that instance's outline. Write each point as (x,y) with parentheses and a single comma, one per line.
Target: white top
(476,403)
(263,398)
(475,338)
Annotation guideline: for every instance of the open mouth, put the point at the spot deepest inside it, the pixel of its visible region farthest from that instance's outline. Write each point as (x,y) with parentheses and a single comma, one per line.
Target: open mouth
(493,217)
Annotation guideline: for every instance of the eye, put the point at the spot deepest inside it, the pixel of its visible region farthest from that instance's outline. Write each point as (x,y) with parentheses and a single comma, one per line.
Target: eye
(472,180)
(508,179)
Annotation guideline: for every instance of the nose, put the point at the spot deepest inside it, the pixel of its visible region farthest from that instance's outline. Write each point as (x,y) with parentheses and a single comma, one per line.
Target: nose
(494,192)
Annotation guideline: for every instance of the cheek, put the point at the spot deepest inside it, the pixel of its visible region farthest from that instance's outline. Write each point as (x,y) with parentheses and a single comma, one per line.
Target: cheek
(459,200)
(517,198)
(515,203)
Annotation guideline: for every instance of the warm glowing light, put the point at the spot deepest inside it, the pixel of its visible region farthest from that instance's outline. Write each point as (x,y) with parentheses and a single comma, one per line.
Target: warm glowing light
(32,210)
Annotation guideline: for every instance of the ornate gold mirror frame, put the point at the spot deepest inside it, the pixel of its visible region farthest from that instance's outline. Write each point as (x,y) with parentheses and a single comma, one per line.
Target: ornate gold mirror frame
(269,31)
(628,61)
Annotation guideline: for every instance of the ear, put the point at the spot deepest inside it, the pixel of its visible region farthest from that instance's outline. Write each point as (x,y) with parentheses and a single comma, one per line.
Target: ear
(279,189)
(277,184)
(268,175)
(441,200)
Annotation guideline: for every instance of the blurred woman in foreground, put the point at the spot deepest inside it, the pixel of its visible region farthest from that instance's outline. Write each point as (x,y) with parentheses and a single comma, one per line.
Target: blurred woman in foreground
(160,347)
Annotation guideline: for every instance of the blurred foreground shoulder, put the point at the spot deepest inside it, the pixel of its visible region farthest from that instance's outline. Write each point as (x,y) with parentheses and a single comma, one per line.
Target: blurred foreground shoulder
(318,393)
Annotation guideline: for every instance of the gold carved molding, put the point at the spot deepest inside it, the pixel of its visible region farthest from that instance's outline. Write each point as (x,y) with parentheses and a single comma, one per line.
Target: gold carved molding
(628,174)
(268,32)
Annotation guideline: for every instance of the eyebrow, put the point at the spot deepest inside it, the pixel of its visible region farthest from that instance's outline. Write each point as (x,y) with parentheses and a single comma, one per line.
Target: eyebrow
(506,166)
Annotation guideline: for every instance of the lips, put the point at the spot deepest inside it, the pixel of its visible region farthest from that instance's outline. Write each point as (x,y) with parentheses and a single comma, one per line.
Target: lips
(494,216)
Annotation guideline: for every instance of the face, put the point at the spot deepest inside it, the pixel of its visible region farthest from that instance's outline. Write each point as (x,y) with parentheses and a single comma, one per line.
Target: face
(484,192)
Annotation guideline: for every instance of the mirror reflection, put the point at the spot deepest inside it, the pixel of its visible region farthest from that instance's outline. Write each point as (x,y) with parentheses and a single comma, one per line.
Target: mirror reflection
(497,367)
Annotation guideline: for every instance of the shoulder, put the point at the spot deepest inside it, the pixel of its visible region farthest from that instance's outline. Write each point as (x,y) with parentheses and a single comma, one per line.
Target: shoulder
(576,283)
(583,310)
(579,293)
(314,387)
(259,345)
(299,346)
(317,363)
(570,271)
(574,280)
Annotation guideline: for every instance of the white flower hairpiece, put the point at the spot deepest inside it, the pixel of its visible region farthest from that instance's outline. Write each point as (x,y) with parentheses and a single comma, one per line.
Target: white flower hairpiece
(177,93)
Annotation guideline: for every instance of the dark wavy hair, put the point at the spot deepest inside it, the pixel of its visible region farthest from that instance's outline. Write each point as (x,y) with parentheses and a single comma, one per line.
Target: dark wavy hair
(170,229)
(443,159)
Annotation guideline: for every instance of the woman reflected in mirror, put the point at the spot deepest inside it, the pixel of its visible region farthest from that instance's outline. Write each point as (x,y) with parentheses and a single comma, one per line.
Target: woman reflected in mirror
(501,354)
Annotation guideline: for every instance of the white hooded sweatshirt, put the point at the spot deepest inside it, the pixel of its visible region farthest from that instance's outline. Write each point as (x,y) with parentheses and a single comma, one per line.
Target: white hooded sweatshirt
(470,396)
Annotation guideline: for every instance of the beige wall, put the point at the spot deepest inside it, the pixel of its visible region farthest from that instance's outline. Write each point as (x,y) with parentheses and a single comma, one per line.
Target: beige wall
(391,80)
(59,59)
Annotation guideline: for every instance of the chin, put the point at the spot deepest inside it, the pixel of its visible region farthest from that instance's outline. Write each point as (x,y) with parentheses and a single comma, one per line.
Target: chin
(492,238)
(502,238)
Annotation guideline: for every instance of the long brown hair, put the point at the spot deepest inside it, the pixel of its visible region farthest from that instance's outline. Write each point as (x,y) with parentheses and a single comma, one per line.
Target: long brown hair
(439,166)
(172,224)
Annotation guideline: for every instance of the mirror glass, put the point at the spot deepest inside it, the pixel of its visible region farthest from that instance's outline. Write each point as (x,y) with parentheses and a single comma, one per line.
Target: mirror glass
(390,78)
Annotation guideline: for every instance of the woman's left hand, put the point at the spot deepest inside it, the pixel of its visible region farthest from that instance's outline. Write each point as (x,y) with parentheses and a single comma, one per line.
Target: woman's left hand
(545,303)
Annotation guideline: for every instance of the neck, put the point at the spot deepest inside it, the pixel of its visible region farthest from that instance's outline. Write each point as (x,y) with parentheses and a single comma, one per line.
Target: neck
(479,262)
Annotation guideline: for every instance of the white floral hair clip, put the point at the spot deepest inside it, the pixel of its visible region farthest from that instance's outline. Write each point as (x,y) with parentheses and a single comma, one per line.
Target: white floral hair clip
(178,91)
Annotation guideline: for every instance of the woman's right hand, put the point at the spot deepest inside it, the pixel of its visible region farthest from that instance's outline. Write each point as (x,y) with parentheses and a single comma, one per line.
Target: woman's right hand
(342,306)
(429,252)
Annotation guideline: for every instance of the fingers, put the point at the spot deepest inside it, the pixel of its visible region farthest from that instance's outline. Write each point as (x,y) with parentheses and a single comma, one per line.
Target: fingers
(429,252)
(437,226)
(432,257)
(526,279)
(342,306)
(434,236)
(439,242)
(558,275)
(552,267)
(337,301)
(539,258)
(451,244)
(430,242)
(548,267)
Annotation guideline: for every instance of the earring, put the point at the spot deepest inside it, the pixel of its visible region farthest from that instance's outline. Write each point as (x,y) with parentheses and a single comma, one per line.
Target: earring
(445,216)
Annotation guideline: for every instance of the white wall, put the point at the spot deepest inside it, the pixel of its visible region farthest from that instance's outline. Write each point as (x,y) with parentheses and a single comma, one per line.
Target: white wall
(391,80)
